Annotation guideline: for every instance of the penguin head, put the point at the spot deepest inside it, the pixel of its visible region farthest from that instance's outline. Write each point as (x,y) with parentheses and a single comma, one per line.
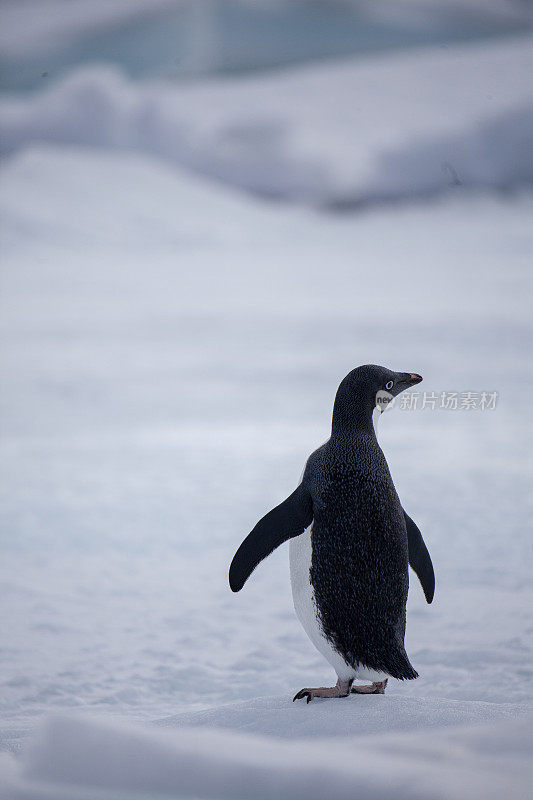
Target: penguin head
(390,384)
(369,388)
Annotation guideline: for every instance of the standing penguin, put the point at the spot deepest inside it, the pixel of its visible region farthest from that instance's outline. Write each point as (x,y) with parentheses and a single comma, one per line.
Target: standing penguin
(351,543)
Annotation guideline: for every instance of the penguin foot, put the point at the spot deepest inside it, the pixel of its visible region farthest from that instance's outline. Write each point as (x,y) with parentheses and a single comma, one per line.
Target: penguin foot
(342,689)
(378,687)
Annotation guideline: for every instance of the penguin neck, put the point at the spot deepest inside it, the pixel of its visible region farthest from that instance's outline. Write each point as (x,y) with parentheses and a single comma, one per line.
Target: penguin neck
(351,420)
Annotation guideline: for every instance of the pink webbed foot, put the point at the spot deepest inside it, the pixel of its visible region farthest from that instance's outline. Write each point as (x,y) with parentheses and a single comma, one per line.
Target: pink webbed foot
(378,687)
(342,689)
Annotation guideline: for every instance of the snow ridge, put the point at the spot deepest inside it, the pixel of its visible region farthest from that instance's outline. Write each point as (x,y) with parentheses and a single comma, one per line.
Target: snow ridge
(345,134)
(86,758)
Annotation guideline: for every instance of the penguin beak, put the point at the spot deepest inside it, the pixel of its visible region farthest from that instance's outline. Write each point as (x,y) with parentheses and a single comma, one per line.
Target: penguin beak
(406,380)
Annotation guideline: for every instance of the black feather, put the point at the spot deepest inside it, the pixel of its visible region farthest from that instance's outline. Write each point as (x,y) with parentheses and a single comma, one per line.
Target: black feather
(419,558)
(288,519)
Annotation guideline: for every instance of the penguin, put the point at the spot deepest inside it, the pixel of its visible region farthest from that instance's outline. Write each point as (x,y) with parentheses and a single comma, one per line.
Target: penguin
(351,544)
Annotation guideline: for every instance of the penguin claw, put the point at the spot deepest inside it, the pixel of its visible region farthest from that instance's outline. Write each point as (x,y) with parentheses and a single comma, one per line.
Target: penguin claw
(301,694)
(342,689)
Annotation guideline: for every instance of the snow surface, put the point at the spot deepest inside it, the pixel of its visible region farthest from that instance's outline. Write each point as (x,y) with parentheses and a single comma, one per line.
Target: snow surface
(89,760)
(171,352)
(344,134)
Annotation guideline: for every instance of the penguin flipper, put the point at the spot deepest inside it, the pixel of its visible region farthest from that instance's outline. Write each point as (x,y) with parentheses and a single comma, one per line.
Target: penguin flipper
(285,521)
(419,558)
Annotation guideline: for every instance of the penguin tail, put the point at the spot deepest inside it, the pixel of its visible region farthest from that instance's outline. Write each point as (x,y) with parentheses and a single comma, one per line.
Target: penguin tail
(408,675)
(401,668)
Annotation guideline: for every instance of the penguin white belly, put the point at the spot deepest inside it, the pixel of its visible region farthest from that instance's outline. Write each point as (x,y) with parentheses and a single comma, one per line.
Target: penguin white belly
(300,552)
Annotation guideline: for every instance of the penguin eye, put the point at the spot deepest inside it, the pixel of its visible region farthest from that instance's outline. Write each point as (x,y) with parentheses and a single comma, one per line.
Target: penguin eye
(389,385)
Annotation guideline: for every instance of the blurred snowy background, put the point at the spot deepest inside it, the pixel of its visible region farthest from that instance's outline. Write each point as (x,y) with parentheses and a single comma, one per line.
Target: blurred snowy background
(211,212)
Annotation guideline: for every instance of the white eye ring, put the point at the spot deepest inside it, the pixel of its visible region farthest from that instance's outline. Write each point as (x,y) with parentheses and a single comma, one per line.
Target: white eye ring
(389,385)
